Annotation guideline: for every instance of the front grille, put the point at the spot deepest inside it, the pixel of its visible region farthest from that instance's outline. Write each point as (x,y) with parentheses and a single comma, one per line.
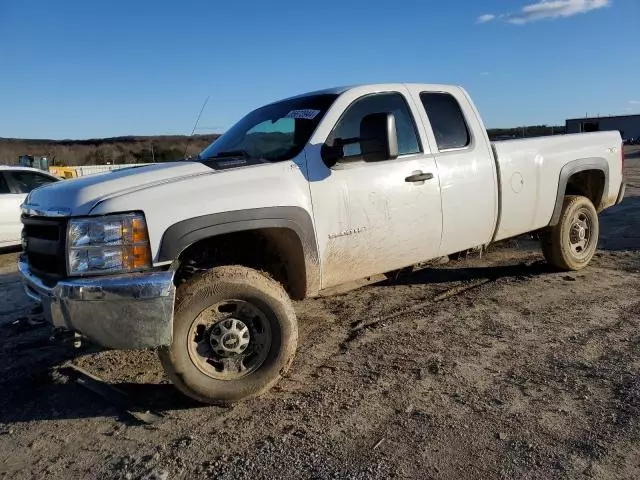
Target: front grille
(44,240)
(46,232)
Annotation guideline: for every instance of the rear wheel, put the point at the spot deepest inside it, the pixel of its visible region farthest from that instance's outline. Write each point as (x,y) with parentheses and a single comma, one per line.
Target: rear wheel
(235,334)
(571,244)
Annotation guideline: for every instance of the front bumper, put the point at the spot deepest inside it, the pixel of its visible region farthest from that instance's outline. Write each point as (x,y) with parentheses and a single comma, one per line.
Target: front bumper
(121,311)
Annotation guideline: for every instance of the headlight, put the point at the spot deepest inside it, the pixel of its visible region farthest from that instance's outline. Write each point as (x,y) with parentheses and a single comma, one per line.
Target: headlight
(109,244)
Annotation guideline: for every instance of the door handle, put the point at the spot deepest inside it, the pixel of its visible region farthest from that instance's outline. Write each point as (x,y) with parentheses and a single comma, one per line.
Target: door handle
(419,177)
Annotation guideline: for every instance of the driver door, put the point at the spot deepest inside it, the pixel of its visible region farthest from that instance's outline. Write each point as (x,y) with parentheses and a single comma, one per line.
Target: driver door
(370,216)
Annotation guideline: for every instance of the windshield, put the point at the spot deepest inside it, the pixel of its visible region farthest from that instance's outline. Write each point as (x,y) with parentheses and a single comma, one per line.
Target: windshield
(275,132)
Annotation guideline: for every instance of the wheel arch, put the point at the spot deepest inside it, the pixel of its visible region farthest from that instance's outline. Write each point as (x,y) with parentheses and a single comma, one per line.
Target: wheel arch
(588,177)
(289,230)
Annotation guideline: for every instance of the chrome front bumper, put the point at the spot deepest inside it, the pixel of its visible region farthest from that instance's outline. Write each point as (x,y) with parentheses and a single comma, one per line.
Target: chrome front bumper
(120,311)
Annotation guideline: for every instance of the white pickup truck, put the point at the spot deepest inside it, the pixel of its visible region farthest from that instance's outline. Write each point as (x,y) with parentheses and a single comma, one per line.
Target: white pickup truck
(201,258)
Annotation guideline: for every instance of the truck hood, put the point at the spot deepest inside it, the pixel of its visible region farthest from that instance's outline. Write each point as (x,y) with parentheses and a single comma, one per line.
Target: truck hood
(79,196)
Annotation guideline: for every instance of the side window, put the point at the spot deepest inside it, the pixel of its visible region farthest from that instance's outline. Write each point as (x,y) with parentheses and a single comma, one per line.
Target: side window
(4,187)
(27,181)
(447,120)
(349,125)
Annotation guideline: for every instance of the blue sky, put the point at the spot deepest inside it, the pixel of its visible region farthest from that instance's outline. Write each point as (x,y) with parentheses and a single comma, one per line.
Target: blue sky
(85,69)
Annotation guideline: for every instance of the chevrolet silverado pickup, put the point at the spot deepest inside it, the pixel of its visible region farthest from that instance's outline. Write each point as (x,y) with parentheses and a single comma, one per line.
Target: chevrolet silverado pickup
(201,258)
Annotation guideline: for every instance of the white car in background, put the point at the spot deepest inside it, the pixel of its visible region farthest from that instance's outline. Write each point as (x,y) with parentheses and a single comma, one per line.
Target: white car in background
(15,185)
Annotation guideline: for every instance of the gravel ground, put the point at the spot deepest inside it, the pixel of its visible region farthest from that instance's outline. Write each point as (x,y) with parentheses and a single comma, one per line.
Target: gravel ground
(492,367)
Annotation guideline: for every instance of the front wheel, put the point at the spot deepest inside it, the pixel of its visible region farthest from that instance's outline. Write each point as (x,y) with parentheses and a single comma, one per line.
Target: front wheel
(571,244)
(235,333)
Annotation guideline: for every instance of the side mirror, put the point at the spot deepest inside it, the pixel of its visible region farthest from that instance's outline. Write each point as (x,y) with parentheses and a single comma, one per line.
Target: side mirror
(378,141)
(331,154)
(378,137)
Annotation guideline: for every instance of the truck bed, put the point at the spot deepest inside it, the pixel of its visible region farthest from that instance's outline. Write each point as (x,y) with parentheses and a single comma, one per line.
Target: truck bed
(529,171)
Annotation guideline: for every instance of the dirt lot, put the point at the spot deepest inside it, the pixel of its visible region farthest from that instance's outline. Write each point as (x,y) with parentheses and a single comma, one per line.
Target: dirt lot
(492,367)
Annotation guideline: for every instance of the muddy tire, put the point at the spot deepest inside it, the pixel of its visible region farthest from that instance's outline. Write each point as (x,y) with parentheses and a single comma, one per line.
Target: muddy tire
(571,244)
(234,335)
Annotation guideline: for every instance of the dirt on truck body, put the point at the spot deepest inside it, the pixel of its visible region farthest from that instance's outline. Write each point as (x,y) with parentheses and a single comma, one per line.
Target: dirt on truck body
(492,366)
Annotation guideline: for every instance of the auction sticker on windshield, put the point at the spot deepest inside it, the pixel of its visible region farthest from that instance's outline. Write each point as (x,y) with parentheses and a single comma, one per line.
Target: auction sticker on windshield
(306,114)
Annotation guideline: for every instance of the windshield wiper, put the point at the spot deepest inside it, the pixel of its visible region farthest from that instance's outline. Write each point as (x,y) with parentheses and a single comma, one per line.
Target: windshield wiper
(230,153)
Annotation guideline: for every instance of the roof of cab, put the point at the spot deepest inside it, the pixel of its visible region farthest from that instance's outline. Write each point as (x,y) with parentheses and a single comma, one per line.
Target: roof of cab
(372,86)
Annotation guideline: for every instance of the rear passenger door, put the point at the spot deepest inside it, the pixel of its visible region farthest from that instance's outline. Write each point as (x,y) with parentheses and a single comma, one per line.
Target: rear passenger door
(370,217)
(465,164)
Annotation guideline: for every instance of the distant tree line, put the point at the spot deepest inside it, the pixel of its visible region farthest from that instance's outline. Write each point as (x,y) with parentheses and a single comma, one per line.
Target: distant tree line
(126,150)
(526,131)
(117,150)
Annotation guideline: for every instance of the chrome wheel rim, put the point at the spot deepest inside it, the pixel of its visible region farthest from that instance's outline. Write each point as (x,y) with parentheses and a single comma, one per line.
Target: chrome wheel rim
(581,234)
(229,340)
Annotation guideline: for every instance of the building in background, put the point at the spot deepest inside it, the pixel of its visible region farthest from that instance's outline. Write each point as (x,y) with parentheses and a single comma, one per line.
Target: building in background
(627,125)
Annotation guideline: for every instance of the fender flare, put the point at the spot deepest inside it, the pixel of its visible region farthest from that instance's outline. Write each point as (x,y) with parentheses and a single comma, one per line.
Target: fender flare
(181,235)
(571,168)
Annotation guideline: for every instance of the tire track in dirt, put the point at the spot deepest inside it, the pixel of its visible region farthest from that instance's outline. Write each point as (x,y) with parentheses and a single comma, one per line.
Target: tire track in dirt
(528,271)
(325,337)
(361,325)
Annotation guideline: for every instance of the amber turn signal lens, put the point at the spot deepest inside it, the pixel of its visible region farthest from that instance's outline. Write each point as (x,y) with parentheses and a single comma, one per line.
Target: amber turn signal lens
(139,230)
(139,257)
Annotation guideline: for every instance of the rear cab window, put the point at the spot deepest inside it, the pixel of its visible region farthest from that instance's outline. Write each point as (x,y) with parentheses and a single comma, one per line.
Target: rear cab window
(447,120)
